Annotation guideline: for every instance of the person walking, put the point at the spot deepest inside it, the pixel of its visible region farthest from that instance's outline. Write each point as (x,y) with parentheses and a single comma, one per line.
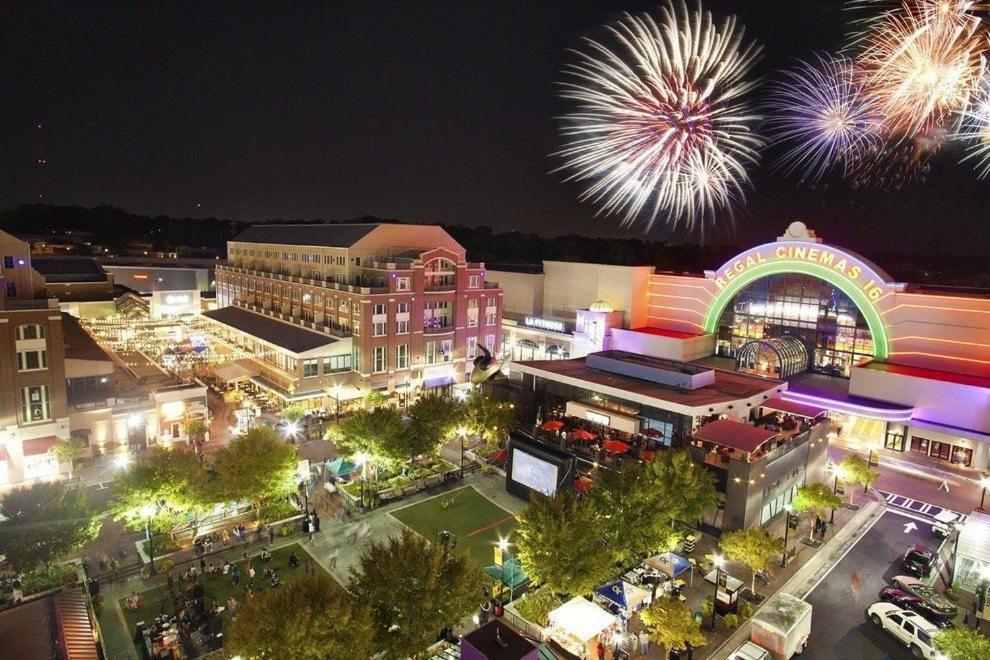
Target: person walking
(333,557)
(171,584)
(644,642)
(855,582)
(235,575)
(271,534)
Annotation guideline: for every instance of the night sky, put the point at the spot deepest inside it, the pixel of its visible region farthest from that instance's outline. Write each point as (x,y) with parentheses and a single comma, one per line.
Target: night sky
(426,111)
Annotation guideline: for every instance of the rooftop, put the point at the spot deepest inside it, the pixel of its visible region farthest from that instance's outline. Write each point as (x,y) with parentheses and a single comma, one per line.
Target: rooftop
(727,387)
(79,344)
(672,334)
(735,435)
(69,269)
(315,235)
(284,335)
(497,640)
(927,374)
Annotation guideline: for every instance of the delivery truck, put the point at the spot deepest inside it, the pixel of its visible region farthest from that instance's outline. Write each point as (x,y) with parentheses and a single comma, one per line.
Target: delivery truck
(782,626)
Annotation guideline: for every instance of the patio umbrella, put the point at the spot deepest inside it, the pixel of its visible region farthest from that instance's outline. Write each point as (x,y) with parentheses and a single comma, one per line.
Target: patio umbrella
(582,485)
(552,425)
(646,456)
(581,434)
(615,447)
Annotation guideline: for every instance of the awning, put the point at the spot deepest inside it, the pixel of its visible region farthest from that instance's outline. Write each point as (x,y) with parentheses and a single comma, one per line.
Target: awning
(734,435)
(438,382)
(625,595)
(510,573)
(342,467)
(793,407)
(38,446)
(669,563)
(236,371)
(581,619)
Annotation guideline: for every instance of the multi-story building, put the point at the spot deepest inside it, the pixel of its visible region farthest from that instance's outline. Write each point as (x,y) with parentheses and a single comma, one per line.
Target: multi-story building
(328,311)
(34,412)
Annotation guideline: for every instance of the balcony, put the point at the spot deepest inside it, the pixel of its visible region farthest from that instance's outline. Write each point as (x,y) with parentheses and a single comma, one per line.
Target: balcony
(363,286)
(27,305)
(438,288)
(438,329)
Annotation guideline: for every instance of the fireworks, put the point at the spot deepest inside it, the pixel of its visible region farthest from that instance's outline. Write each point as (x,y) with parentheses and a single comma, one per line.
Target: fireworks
(921,68)
(821,112)
(975,130)
(660,130)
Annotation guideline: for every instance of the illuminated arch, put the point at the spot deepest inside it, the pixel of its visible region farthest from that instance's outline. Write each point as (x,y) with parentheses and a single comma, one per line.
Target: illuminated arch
(881,343)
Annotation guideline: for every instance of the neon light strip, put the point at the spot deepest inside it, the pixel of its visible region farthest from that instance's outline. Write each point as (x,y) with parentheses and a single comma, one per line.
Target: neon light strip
(680,309)
(941,356)
(706,289)
(946,309)
(944,341)
(882,414)
(686,322)
(881,344)
(668,295)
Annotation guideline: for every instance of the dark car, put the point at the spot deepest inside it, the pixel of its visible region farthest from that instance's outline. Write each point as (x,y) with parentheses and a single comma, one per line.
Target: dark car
(937,610)
(919,560)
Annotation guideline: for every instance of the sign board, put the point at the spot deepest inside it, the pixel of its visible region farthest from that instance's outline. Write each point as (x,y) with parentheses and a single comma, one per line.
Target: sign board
(544,324)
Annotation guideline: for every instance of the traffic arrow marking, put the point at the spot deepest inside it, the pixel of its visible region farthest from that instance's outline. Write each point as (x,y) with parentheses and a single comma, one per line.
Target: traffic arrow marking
(909,527)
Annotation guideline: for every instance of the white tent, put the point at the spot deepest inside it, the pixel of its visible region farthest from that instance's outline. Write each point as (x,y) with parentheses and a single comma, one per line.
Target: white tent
(581,619)
(236,371)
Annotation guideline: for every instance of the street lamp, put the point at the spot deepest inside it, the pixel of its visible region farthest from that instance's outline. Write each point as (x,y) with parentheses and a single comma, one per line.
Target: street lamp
(361,458)
(336,389)
(984,482)
(147,512)
(719,561)
(788,509)
(462,432)
(837,471)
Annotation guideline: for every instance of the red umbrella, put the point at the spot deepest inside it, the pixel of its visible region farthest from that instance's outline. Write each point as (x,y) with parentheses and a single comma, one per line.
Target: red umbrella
(615,447)
(646,456)
(499,456)
(581,434)
(552,425)
(582,485)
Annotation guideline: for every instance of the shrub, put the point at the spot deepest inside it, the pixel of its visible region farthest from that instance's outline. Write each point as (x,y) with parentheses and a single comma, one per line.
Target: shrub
(58,575)
(746,609)
(276,510)
(707,607)
(731,621)
(536,606)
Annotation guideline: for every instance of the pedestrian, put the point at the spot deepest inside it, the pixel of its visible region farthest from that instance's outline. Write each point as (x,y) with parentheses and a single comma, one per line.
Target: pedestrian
(333,557)
(235,575)
(202,565)
(250,572)
(271,534)
(644,642)
(226,567)
(171,583)
(855,582)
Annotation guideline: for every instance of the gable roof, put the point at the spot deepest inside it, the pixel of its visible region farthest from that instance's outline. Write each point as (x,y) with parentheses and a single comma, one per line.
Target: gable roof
(735,435)
(69,269)
(322,235)
(284,335)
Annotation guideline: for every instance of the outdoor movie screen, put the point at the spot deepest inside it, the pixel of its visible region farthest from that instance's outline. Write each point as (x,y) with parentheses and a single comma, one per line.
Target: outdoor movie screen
(533,472)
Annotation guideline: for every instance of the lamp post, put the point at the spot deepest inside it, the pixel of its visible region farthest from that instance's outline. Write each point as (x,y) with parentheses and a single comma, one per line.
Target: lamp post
(361,459)
(336,399)
(837,471)
(147,512)
(984,482)
(719,562)
(788,508)
(462,432)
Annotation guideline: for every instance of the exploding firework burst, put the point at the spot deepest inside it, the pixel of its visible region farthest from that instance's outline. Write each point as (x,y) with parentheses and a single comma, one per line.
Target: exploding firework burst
(921,68)
(660,131)
(975,129)
(867,14)
(820,111)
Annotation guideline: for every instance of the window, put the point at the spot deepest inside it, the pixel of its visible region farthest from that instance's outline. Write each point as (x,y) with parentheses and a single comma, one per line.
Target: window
(8,262)
(431,352)
(380,359)
(491,302)
(446,349)
(357,328)
(472,321)
(402,308)
(333,364)
(402,284)
(402,327)
(473,303)
(378,329)
(490,343)
(31,360)
(31,331)
(490,317)
(36,404)
(310,367)
(472,347)
(357,261)
(356,358)
(379,308)
(473,281)
(402,356)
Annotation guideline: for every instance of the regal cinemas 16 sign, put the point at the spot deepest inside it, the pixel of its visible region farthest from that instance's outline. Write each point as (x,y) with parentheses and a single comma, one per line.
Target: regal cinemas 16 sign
(841,263)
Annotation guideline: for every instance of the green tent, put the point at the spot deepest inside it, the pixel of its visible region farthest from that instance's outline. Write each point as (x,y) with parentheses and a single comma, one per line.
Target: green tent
(510,573)
(341,467)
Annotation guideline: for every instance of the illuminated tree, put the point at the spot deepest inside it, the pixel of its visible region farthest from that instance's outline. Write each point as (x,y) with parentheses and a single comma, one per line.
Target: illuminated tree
(69,449)
(630,515)
(672,625)
(753,547)
(44,522)
(488,417)
(684,489)
(258,466)
(377,432)
(963,644)
(857,471)
(815,500)
(432,420)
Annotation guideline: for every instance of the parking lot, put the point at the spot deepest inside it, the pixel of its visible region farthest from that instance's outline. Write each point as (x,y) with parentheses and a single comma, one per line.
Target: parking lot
(839,628)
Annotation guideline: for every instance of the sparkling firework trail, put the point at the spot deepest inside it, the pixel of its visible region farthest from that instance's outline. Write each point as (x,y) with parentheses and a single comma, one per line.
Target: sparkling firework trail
(975,130)
(820,110)
(660,130)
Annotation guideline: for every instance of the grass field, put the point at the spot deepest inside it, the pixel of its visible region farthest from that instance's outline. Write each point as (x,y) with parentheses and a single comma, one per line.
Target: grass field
(218,587)
(475,521)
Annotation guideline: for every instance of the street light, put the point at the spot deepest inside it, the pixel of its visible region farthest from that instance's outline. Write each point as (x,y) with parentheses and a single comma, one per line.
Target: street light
(147,512)
(838,472)
(788,508)
(719,561)
(984,482)
(336,389)
(361,458)
(462,432)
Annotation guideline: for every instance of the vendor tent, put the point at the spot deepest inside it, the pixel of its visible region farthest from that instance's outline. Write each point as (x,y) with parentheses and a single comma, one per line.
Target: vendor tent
(341,467)
(235,372)
(581,619)
(671,564)
(627,596)
(510,573)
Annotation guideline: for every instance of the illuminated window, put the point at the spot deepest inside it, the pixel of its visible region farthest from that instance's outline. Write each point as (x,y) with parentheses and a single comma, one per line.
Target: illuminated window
(381,360)
(402,356)
(36,403)
(31,331)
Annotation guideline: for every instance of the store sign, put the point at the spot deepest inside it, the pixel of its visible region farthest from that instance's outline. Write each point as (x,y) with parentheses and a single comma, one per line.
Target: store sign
(841,263)
(544,324)
(597,418)
(177,299)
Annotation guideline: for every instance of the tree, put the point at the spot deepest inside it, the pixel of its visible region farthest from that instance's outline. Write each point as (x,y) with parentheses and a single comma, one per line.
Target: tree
(291,413)
(311,618)
(684,489)
(671,624)
(963,644)
(815,500)
(630,518)
(257,466)
(173,481)
(69,449)
(432,420)
(488,418)
(753,547)
(377,432)
(415,588)
(857,471)
(196,430)
(373,399)
(559,542)
(44,522)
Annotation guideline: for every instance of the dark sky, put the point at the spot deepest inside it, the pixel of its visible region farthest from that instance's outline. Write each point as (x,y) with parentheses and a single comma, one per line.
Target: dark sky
(430,111)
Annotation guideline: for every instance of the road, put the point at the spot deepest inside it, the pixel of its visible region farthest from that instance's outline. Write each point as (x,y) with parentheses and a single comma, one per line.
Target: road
(839,628)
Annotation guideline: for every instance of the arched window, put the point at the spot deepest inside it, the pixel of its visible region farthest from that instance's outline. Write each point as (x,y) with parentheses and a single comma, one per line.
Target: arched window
(30,331)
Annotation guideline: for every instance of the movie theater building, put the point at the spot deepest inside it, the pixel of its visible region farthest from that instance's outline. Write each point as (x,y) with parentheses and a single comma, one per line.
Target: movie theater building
(898,367)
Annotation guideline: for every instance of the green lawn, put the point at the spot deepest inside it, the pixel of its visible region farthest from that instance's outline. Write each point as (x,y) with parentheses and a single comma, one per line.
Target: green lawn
(474,520)
(218,587)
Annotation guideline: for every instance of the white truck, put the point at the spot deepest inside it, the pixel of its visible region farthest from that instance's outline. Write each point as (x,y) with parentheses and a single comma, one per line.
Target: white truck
(782,626)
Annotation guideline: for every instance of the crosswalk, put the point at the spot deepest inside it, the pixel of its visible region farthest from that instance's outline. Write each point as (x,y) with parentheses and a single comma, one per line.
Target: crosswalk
(917,507)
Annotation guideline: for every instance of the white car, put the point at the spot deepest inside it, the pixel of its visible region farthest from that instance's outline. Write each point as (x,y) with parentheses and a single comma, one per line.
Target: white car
(910,628)
(750,651)
(904,582)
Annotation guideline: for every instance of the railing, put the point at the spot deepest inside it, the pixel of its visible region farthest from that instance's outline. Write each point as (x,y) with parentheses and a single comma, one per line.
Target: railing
(436,288)
(437,330)
(26,305)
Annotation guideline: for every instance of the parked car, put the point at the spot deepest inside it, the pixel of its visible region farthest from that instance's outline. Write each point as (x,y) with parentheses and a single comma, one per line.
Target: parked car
(942,617)
(930,595)
(750,651)
(909,628)
(945,523)
(919,560)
